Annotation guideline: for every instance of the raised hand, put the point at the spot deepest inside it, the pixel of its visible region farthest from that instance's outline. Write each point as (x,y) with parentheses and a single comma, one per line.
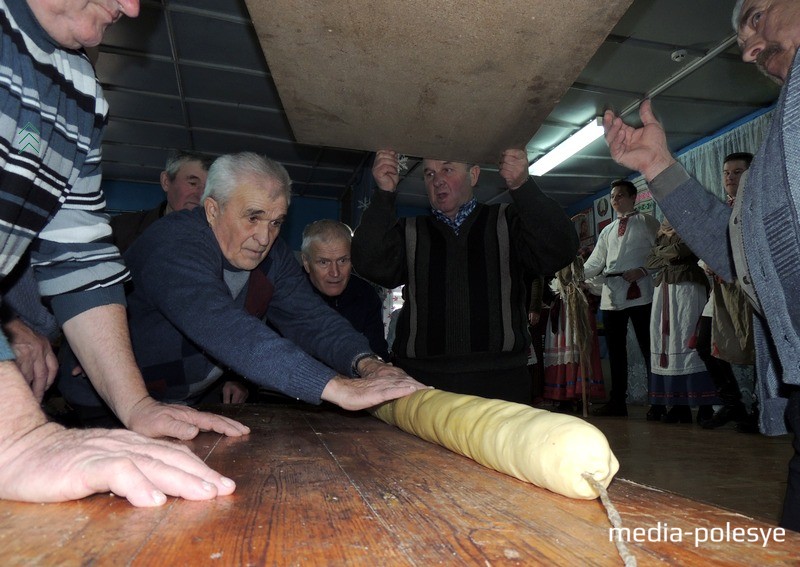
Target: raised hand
(642,149)
(386,170)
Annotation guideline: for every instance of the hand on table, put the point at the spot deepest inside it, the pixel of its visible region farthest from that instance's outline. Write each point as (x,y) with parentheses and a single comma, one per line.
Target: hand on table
(155,419)
(380,384)
(53,464)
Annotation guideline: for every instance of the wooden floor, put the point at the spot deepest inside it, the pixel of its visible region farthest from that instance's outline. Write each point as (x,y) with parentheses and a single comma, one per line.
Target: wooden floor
(745,473)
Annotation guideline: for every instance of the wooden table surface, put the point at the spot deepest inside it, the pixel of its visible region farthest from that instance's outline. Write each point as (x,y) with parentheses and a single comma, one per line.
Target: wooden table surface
(317,486)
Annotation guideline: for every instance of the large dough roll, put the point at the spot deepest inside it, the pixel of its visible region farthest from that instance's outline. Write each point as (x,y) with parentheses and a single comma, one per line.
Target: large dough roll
(550,450)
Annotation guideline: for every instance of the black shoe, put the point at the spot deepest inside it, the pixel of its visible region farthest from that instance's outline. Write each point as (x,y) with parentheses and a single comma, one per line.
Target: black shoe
(678,414)
(749,424)
(612,409)
(704,413)
(724,415)
(656,412)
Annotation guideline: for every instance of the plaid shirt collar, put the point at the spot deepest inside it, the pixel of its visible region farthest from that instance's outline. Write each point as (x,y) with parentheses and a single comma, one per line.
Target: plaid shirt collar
(463,212)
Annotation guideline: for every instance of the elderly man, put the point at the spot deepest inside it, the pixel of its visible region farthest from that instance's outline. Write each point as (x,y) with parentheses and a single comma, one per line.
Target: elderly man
(756,242)
(204,280)
(464,325)
(326,259)
(183,181)
(620,255)
(53,111)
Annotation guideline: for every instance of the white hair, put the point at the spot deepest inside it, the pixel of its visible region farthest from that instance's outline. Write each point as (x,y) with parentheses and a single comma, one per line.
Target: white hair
(736,14)
(227,171)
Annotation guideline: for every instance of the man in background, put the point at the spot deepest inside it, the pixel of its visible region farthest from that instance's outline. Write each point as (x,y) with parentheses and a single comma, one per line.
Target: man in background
(467,269)
(620,255)
(326,258)
(725,332)
(183,181)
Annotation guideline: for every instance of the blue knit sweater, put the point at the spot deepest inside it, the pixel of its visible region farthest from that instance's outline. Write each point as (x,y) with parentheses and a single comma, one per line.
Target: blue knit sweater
(183,319)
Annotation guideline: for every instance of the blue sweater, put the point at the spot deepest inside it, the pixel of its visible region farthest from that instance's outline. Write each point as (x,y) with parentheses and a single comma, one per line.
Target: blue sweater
(51,121)
(183,319)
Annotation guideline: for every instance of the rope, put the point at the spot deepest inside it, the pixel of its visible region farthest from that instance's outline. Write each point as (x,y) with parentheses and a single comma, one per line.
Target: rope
(616,520)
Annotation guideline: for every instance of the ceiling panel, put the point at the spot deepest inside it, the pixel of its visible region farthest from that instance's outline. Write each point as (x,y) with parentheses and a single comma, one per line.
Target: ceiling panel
(191,74)
(366,75)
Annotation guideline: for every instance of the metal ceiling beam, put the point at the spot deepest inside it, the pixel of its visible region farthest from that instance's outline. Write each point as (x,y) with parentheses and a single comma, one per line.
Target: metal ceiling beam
(683,73)
(181,61)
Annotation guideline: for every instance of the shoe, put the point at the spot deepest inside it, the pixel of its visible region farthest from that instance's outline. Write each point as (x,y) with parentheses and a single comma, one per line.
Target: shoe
(678,414)
(612,409)
(656,412)
(724,415)
(749,424)
(704,413)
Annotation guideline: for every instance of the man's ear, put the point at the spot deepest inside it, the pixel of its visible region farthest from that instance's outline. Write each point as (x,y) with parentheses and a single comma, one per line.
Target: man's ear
(474,173)
(164,181)
(305,263)
(212,210)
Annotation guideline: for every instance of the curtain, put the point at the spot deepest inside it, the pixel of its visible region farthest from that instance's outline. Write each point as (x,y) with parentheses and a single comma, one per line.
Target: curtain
(704,162)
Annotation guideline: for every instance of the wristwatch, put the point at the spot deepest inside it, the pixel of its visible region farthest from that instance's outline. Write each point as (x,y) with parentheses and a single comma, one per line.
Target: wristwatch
(361,357)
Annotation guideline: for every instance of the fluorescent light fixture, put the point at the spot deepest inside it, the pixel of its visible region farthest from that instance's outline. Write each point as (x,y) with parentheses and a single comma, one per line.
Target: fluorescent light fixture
(568,147)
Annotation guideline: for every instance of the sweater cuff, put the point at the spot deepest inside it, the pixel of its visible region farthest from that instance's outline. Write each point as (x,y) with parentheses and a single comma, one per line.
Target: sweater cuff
(68,305)
(668,180)
(385,199)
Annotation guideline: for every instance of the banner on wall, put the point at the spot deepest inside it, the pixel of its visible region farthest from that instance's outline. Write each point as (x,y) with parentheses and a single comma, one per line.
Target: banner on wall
(645,202)
(602,213)
(585,226)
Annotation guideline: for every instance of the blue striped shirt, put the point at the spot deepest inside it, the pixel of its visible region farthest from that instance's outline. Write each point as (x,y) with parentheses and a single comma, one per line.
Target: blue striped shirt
(52,115)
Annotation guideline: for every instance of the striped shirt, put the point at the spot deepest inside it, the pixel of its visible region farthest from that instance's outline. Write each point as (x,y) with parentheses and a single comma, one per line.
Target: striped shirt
(52,114)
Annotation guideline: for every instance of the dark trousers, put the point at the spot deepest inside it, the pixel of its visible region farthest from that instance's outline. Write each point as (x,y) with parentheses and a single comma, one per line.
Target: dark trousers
(720,370)
(615,324)
(791,503)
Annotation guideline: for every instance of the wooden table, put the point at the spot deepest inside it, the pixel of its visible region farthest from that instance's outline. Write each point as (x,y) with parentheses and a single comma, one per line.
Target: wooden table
(321,487)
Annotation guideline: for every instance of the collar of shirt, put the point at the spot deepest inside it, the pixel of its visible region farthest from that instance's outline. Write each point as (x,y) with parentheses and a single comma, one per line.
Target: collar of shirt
(463,212)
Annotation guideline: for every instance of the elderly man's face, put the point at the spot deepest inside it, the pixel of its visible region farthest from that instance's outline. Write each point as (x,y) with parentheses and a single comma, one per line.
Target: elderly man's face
(328,266)
(449,184)
(769,35)
(80,23)
(249,223)
(185,191)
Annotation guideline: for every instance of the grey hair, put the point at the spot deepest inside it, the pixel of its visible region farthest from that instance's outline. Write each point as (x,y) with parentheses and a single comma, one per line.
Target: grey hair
(227,172)
(325,230)
(178,158)
(736,14)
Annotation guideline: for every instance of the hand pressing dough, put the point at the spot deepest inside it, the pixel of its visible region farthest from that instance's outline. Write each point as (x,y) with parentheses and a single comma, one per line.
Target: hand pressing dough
(550,450)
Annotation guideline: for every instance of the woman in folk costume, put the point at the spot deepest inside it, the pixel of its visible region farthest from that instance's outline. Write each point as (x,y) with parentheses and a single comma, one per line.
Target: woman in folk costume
(678,377)
(571,351)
